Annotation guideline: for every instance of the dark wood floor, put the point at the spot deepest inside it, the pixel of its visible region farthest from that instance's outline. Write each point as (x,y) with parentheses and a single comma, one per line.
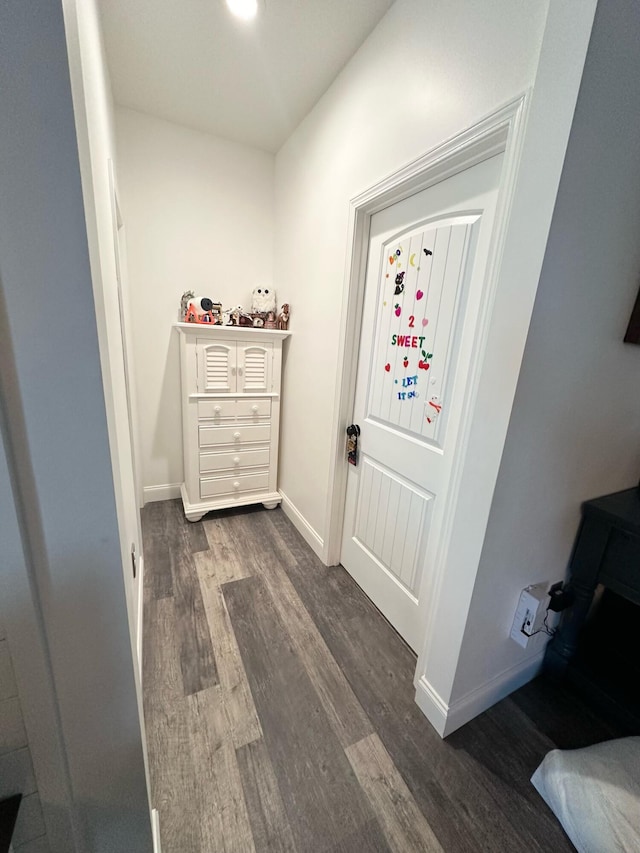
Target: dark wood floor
(280,714)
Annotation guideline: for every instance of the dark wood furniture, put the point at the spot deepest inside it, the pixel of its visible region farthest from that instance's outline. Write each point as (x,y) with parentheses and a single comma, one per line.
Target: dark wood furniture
(607,552)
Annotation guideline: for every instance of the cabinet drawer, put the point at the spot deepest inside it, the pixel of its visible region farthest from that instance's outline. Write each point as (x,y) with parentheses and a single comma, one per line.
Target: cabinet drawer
(253,409)
(240,434)
(220,410)
(240,459)
(233,485)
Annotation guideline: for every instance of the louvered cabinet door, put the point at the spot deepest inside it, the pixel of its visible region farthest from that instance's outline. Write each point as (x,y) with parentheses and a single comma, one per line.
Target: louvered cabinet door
(216,367)
(254,367)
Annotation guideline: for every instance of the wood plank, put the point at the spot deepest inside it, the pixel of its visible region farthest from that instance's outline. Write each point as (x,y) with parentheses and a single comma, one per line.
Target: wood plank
(456,796)
(223,820)
(161,662)
(171,768)
(222,563)
(243,718)
(197,659)
(322,797)
(509,768)
(193,530)
(249,533)
(402,822)
(269,823)
(158,577)
(550,705)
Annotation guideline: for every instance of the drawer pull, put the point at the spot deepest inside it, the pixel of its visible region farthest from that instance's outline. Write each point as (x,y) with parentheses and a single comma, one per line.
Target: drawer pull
(217,409)
(255,409)
(236,435)
(236,460)
(236,485)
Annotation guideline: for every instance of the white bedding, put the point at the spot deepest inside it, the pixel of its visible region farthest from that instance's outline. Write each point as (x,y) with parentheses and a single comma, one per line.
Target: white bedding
(595,794)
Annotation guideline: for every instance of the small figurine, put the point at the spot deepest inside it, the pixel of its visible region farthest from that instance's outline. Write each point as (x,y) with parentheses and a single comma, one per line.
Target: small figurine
(283,318)
(186,298)
(270,322)
(263,300)
(258,321)
(236,316)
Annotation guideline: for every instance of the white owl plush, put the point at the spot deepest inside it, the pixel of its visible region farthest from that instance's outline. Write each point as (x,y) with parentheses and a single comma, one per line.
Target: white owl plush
(263,300)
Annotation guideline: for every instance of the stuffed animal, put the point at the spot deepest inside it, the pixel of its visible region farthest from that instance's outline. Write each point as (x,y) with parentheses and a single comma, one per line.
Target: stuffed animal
(263,300)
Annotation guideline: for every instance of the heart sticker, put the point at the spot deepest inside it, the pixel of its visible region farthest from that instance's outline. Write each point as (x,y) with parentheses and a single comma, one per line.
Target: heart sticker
(425,322)
(387,367)
(419,294)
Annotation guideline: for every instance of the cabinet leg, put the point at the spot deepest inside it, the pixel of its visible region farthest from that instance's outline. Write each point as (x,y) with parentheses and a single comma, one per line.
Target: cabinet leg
(193,517)
(270,504)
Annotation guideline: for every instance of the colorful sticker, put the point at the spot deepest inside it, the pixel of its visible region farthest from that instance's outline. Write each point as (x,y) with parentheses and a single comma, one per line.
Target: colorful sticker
(409,382)
(433,409)
(423,364)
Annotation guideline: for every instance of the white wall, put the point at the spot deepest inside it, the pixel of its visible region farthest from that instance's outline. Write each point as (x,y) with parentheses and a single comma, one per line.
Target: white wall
(199,216)
(426,72)
(96,145)
(575,427)
(57,447)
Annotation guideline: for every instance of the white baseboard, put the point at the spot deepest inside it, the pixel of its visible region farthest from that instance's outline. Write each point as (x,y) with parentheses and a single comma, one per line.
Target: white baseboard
(140,615)
(447,718)
(161,493)
(155,831)
(311,537)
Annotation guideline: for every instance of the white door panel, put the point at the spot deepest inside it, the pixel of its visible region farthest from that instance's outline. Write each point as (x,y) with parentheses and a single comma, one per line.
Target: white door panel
(424,283)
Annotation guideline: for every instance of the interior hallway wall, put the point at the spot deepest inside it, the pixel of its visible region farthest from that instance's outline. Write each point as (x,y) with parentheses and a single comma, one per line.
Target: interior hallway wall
(93,105)
(199,216)
(426,72)
(574,432)
(57,446)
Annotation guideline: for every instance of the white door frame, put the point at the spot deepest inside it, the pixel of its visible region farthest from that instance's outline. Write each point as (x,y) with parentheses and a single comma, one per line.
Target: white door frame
(502,131)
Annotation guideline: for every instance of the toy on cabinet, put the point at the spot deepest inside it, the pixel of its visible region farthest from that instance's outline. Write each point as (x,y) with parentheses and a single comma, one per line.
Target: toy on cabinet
(200,309)
(263,300)
(237,317)
(283,318)
(263,313)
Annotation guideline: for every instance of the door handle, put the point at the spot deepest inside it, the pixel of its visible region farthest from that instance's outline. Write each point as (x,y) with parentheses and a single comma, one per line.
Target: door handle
(353,432)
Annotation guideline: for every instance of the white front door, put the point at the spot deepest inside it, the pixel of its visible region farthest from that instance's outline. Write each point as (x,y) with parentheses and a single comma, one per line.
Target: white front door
(424,283)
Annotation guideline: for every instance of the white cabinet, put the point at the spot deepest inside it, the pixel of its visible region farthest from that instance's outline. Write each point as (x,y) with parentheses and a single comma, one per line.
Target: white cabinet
(234,367)
(231,378)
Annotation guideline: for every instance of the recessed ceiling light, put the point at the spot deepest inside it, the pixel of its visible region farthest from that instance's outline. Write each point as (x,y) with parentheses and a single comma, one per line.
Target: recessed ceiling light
(245,9)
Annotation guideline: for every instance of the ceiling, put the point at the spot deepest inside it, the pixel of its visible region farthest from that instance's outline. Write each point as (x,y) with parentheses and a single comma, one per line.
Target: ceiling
(191,62)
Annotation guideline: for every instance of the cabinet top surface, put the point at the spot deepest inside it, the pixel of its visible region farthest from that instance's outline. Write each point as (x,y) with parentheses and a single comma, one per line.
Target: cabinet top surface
(206,330)
(622,508)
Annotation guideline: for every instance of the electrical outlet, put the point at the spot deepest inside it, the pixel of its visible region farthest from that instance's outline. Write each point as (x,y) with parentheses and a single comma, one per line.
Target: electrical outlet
(530,613)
